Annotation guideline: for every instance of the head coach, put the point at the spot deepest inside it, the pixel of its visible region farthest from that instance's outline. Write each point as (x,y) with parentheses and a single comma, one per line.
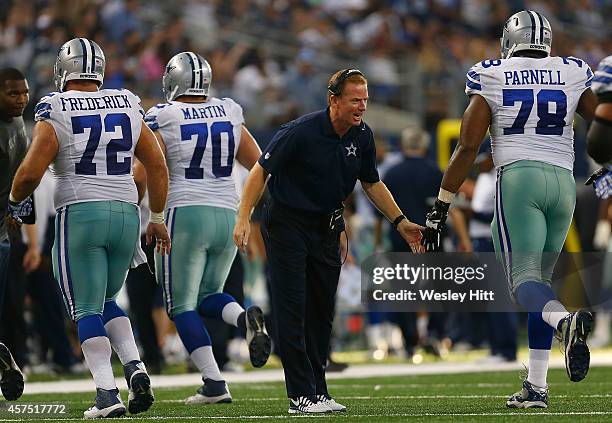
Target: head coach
(313,163)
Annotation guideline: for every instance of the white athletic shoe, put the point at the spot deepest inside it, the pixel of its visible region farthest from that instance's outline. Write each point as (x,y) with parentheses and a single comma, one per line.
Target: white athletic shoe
(331,403)
(305,405)
(530,396)
(108,404)
(212,392)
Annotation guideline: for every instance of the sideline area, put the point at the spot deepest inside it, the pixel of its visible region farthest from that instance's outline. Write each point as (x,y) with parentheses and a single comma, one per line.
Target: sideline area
(356,371)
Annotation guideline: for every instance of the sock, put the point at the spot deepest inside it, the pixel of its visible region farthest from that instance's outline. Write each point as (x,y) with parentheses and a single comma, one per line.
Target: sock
(534,295)
(538,367)
(553,312)
(204,360)
(539,333)
(97,350)
(111,311)
(122,339)
(119,330)
(213,305)
(540,336)
(232,314)
(191,330)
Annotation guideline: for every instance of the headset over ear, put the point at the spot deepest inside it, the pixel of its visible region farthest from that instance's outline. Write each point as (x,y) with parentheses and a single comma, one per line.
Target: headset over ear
(334,87)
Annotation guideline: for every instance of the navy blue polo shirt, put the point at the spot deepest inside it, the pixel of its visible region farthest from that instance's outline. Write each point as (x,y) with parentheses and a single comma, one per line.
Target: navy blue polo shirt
(313,169)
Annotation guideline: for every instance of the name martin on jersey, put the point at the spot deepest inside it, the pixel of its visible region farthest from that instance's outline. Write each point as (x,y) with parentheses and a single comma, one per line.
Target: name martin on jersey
(533,77)
(213,111)
(119,101)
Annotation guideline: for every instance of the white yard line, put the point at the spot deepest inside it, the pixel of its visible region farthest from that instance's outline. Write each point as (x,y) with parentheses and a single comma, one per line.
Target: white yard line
(348,415)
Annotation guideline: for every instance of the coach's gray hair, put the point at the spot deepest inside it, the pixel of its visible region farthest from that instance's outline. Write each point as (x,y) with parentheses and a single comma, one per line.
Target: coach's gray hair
(415,139)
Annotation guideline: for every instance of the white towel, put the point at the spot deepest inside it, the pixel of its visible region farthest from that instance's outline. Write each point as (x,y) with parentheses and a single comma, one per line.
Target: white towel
(139,256)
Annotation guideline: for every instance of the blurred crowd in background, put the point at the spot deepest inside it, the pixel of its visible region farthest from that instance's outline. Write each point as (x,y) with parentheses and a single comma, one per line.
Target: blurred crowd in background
(274,57)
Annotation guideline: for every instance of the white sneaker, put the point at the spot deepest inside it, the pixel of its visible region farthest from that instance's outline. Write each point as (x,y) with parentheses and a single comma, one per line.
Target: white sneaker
(305,405)
(331,403)
(108,404)
(212,392)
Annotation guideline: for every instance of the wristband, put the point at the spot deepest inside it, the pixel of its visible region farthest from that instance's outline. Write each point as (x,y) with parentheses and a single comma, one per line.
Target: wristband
(397,220)
(446,196)
(156,217)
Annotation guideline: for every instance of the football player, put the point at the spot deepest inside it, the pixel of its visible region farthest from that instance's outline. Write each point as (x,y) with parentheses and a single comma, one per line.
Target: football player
(90,137)
(599,137)
(527,99)
(202,136)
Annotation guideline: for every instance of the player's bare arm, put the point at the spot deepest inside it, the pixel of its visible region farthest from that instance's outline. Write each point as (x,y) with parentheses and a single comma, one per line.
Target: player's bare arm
(599,137)
(160,141)
(474,125)
(253,188)
(150,154)
(586,105)
(41,153)
(248,150)
(140,179)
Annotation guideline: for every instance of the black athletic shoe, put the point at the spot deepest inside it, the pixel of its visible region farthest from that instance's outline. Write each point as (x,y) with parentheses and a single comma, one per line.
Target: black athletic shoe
(573,331)
(257,338)
(12,378)
(140,397)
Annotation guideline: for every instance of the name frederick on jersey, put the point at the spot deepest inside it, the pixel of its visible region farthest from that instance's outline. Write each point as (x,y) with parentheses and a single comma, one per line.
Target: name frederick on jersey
(533,77)
(119,101)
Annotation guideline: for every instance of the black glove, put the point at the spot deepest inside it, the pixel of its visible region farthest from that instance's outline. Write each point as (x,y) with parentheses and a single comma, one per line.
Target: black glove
(435,222)
(596,175)
(19,210)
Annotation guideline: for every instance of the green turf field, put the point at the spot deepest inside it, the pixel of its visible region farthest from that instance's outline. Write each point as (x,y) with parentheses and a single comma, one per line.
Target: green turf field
(465,397)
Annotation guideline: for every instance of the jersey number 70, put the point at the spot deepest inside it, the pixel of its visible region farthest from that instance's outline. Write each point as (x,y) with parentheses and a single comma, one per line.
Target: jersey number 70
(220,170)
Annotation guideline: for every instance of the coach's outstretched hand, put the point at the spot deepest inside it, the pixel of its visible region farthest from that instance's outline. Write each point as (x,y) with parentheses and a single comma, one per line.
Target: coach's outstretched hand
(412,234)
(159,232)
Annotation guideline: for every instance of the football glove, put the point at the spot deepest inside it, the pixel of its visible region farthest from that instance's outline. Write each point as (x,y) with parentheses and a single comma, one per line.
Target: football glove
(435,222)
(602,181)
(20,209)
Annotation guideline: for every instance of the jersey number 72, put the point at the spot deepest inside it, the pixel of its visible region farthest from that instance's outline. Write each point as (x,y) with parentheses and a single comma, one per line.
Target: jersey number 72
(86,166)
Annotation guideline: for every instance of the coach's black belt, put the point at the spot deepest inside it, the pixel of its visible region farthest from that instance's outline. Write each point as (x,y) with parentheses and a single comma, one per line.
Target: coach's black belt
(327,223)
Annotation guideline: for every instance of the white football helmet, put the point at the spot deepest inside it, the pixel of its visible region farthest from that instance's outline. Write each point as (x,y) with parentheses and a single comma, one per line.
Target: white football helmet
(186,73)
(79,58)
(526,30)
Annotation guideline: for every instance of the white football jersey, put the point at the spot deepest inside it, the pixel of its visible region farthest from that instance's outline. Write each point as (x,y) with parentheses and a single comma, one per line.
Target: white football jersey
(602,83)
(532,103)
(201,141)
(97,134)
